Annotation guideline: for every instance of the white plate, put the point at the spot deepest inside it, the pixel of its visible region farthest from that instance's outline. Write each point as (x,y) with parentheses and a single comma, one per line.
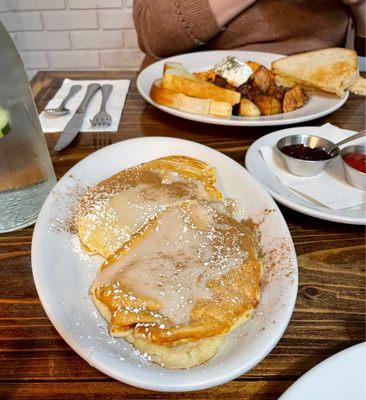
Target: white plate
(258,168)
(340,377)
(318,105)
(63,274)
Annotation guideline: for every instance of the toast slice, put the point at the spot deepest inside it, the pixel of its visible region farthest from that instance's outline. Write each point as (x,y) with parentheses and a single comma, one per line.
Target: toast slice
(181,81)
(359,87)
(331,70)
(175,65)
(190,104)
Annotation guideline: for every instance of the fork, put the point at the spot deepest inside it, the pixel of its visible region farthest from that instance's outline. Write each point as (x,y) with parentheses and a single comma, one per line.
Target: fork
(103,118)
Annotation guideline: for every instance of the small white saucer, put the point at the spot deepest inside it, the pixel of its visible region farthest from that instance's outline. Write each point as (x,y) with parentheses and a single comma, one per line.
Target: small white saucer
(258,168)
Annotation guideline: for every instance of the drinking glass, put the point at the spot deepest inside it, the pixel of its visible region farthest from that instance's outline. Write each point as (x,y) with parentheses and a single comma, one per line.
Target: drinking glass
(26,171)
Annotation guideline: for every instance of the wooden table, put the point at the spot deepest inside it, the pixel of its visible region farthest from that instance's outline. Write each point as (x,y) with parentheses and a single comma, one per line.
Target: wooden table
(330,308)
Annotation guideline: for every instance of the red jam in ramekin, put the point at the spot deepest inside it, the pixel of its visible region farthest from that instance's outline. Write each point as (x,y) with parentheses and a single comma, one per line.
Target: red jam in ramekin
(356,160)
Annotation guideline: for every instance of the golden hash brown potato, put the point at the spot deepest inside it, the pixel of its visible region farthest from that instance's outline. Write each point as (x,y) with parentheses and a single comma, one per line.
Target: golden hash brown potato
(294,98)
(261,79)
(268,105)
(248,109)
(276,91)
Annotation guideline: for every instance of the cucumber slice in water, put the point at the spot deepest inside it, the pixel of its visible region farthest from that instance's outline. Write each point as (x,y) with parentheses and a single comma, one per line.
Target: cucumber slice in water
(4,122)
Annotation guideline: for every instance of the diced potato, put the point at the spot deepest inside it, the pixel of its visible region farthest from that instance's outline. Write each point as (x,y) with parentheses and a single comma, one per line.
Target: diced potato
(261,80)
(268,105)
(294,98)
(276,91)
(248,109)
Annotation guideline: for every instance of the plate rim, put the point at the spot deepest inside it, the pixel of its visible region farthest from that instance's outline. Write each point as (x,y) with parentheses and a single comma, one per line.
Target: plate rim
(289,392)
(250,154)
(223,121)
(99,365)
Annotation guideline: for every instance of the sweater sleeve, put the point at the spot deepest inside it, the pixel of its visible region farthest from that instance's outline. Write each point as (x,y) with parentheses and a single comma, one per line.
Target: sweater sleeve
(167,27)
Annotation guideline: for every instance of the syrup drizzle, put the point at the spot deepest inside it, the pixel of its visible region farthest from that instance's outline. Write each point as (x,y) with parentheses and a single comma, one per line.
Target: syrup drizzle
(117,209)
(189,247)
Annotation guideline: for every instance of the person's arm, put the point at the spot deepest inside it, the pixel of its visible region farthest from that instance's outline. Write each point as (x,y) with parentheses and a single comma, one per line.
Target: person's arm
(225,10)
(167,27)
(358,11)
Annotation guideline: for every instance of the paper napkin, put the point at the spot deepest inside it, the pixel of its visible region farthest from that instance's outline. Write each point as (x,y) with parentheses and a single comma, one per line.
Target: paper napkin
(329,188)
(114,106)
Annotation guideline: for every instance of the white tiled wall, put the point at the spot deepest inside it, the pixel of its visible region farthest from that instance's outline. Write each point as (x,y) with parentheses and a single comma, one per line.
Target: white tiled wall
(73,34)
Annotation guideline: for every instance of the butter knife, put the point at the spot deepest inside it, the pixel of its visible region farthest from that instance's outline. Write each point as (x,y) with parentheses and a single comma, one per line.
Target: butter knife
(75,123)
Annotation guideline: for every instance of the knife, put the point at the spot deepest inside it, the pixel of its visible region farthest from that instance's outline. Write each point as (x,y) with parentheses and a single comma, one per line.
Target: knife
(74,125)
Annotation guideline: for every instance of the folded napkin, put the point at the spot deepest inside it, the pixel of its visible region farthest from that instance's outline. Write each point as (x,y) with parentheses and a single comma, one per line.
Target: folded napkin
(329,188)
(114,107)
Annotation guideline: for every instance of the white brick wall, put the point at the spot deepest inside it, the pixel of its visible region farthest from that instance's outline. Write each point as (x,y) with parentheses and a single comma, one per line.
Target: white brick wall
(116,19)
(73,34)
(97,40)
(69,20)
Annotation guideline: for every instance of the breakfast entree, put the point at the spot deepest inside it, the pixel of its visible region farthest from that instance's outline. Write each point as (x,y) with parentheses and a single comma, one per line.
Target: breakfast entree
(249,89)
(181,270)
(117,207)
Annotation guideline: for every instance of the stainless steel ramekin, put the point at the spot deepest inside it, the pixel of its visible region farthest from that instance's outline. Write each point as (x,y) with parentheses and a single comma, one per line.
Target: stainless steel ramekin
(354,177)
(305,167)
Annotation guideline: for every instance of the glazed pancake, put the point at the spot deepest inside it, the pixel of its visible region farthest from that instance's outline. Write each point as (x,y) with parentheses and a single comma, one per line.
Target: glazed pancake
(115,208)
(182,281)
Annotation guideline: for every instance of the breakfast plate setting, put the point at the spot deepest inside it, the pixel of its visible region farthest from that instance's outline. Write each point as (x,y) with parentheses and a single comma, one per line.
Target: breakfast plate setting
(167,265)
(318,104)
(328,195)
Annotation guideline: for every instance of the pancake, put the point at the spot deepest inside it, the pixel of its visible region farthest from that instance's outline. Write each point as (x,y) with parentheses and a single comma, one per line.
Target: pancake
(180,283)
(114,209)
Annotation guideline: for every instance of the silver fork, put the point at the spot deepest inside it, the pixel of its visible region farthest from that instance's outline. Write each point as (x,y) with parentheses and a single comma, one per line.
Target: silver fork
(103,118)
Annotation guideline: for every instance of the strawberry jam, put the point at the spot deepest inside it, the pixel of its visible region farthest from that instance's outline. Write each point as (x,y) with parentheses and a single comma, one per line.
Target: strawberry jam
(306,153)
(356,161)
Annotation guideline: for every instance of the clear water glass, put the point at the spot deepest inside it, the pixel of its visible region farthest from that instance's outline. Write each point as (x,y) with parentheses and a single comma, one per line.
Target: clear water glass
(26,171)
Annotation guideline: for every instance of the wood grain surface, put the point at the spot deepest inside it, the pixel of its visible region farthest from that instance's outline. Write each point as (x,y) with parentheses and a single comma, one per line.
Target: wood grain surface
(35,362)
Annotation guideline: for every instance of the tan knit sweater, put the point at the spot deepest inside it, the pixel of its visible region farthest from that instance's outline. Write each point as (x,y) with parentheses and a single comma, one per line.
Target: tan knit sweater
(167,27)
